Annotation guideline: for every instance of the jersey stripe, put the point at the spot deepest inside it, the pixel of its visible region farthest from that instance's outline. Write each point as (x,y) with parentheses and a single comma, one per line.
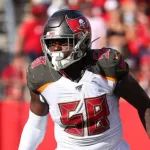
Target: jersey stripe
(43,87)
(108,78)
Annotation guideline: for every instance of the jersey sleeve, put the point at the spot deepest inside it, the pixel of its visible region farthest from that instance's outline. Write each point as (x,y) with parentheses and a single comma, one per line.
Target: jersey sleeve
(39,74)
(110,63)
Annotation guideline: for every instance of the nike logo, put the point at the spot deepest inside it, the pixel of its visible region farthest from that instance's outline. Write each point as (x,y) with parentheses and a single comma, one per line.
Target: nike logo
(79,87)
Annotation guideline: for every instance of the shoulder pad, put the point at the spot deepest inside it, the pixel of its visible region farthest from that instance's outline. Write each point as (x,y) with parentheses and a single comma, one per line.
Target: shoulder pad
(39,73)
(109,63)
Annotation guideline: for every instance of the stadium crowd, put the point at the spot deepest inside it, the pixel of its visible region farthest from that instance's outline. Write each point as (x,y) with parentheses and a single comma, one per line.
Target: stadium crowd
(121,24)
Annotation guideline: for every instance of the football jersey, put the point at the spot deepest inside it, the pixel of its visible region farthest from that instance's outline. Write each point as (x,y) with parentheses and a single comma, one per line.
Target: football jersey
(85,113)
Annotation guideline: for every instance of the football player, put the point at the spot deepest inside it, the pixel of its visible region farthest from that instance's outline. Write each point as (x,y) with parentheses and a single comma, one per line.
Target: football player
(80,88)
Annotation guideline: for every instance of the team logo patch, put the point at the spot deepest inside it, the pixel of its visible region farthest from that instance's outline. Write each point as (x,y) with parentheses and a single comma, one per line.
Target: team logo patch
(101,53)
(78,24)
(38,61)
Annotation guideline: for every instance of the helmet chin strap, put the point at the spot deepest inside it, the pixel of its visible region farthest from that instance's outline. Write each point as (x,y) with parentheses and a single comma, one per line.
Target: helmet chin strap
(60,63)
(60,57)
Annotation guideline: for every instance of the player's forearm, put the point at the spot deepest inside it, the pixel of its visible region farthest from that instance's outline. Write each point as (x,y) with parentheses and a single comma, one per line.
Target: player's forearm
(147,121)
(132,92)
(33,132)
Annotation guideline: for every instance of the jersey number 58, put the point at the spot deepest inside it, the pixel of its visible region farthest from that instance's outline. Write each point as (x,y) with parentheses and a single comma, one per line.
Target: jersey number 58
(95,120)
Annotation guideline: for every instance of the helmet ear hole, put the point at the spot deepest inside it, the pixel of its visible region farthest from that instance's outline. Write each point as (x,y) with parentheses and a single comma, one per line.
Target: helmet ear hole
(82,46)
(80,53)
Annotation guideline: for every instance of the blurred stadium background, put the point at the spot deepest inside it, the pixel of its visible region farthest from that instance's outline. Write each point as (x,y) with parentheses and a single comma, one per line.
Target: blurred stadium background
(121,24)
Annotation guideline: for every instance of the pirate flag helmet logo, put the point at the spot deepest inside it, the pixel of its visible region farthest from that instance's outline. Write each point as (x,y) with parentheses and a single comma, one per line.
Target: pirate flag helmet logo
(80,24)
